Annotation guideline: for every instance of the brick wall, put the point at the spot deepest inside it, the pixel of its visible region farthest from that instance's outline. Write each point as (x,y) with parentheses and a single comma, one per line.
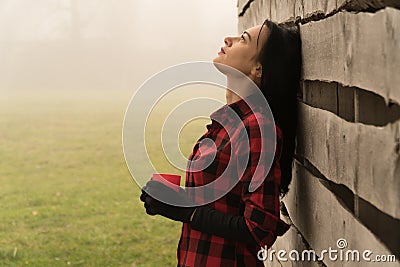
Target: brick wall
(346,177)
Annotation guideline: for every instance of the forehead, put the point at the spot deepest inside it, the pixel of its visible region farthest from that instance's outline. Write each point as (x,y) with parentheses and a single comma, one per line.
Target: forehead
(254,31)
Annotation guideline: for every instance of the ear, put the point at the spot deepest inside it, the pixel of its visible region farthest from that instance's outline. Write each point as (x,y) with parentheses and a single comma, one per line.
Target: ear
(257,70)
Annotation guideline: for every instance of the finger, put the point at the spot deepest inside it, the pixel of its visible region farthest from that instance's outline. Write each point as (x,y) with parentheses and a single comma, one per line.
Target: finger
(144,189)
(149,201)
(160,191)
(149,210)
(156,185)
(152,204)
(143,196)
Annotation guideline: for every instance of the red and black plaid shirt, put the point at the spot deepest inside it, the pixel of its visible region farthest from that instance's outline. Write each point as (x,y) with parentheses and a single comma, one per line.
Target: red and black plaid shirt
(260,207)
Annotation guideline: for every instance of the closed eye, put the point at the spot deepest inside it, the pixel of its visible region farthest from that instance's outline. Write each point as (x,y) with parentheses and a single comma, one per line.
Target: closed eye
(248,35)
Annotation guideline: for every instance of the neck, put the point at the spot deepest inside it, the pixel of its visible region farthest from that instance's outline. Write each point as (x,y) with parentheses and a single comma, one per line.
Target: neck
(231,97)
(238,88)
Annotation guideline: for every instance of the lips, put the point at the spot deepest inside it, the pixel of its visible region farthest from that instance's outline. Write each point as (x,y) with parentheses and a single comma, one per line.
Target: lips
(222,51)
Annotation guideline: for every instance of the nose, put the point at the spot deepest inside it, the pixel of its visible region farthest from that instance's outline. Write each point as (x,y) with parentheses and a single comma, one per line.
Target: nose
(228,41)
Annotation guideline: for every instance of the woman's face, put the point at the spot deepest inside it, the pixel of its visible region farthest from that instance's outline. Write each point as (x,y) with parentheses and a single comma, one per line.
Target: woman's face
(241,52)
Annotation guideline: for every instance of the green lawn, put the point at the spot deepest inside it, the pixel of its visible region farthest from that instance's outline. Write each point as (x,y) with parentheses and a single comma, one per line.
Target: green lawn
(66,196)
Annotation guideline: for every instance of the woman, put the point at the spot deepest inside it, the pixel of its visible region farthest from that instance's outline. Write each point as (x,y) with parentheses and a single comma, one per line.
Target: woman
(231,230)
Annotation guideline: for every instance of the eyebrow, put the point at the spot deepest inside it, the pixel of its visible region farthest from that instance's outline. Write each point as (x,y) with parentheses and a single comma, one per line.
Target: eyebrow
(247,35)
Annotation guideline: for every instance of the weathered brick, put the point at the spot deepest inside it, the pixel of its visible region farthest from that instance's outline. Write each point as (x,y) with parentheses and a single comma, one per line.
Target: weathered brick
(362,157)
(323,220)
(361,50)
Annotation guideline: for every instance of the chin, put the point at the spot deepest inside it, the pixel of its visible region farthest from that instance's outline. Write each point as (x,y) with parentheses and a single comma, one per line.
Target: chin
(217,59)
(226,69)
(221,67)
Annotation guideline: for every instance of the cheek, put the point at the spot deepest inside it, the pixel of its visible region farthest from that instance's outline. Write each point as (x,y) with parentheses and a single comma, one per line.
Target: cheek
(242,64)
(242,59)
(238,59)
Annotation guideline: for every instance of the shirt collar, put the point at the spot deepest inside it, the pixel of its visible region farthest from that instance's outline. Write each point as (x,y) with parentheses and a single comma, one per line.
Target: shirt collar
(241,107)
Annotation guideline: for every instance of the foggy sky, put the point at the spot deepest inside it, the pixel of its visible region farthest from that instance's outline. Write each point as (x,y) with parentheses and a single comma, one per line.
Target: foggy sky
(103,44)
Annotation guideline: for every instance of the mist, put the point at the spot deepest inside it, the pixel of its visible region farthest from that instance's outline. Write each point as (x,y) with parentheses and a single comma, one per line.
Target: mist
(106,46)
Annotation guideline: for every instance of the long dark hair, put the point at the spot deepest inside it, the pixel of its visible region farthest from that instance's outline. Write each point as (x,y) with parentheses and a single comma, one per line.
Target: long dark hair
(281,62)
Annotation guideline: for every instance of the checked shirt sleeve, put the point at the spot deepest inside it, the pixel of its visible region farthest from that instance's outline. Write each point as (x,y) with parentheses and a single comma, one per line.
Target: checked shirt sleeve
(261,207)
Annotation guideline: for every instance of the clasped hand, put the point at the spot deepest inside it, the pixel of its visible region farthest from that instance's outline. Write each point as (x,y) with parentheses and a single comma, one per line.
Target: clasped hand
(154,190)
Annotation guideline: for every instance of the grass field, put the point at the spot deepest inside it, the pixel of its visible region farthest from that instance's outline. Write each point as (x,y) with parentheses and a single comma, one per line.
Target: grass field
(66,196)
